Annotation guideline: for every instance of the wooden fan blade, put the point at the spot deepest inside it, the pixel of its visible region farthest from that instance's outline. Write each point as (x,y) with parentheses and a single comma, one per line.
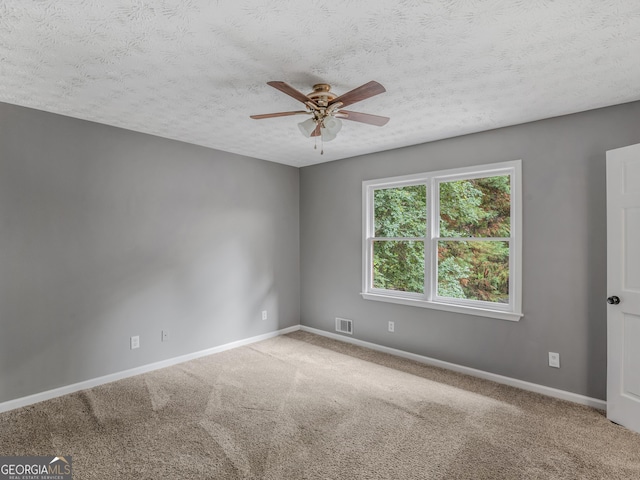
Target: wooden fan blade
(279,114)
(316,132)
(363,117)
(292,92)
(358,94)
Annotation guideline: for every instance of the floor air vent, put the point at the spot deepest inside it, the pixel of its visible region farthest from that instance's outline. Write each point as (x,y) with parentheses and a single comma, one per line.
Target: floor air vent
(344,326)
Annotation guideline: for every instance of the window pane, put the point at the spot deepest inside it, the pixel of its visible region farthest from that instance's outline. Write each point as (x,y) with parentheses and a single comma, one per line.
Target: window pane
(400,212)
(398,265)
(476,270)
(479,207)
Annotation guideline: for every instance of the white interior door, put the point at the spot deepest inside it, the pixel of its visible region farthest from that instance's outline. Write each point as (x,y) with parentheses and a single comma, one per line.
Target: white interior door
(623,285)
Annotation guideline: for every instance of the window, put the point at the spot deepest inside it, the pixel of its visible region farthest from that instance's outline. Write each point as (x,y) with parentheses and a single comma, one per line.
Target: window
(448,240)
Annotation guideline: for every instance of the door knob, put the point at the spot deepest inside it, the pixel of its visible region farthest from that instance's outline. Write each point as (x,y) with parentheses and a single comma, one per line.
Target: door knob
(613,300)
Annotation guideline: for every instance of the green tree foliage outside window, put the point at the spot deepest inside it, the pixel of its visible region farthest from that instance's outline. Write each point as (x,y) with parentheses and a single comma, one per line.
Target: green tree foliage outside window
(400,213)
(478,209)
(478,269)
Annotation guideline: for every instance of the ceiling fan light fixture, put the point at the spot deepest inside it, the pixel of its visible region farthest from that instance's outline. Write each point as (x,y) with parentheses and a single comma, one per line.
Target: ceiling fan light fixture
(307,127)
(332,124)
(323,106)
(327,135)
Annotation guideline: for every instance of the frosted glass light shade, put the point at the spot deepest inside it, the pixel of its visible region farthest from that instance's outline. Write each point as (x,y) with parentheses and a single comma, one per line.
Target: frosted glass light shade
(307,127)
(332,124)
(327,135)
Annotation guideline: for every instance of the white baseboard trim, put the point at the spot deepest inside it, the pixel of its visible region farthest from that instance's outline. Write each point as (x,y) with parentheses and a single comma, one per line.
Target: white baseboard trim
(94,382)
(513,382)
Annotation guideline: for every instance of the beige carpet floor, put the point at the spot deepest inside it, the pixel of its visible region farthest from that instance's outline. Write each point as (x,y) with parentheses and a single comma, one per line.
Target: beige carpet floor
(302,406)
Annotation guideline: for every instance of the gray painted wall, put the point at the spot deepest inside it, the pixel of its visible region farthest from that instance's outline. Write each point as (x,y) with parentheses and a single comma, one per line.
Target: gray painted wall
(107,233)
(564,277)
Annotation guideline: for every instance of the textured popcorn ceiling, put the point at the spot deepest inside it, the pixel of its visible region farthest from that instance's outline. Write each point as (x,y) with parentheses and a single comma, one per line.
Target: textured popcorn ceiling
(194,70)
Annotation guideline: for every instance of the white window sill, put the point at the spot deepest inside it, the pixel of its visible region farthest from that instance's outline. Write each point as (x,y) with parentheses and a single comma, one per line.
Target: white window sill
(481,312)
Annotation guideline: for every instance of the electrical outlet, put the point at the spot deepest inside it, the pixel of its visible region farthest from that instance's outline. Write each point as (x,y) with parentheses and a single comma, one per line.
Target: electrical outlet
(392,327)
(135,342)
(165,335)
(264,314)
(554,359)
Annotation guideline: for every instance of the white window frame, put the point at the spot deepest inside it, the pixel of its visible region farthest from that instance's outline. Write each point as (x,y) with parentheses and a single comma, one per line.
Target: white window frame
(430,299)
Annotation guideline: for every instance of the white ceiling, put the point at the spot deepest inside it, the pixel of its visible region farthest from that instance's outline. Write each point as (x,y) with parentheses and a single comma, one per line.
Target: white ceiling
(194,70)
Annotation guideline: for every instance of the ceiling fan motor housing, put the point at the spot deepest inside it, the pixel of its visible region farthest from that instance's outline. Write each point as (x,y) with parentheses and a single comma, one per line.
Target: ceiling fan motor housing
(322,94)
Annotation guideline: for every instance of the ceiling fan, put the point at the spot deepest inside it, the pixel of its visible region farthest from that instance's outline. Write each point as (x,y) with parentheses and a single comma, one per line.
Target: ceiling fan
(326,108)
